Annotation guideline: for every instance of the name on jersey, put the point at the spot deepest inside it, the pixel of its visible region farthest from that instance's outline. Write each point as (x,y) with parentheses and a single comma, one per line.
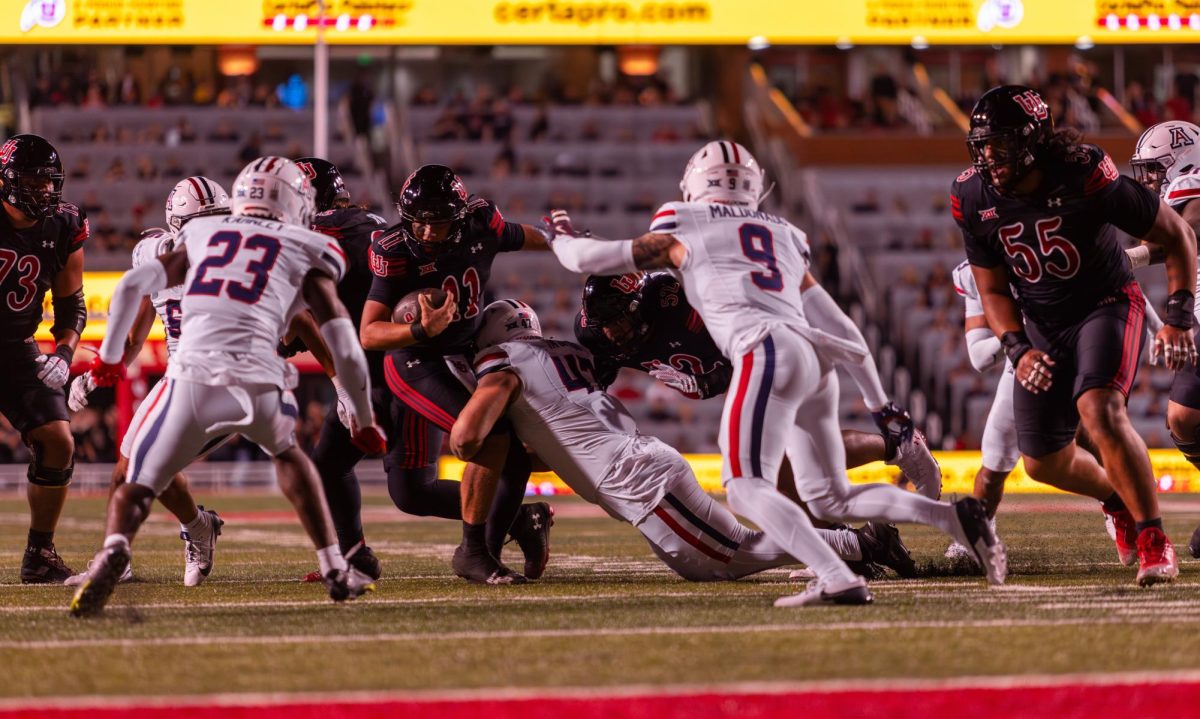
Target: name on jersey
(722,212)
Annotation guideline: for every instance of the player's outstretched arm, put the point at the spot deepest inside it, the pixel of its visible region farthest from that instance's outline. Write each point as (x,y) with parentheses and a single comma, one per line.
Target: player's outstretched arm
(824,314)
(593,256)
(487,405)
(1033,367)
(135,285)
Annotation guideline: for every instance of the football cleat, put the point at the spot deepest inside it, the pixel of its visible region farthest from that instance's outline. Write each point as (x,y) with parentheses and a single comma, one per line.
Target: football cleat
(76,579)
(958,552)
(531,531)
(1156,555)
(104,572)
(42,565)
(881,545)
(480,567)
(976,534)
(364,560)
(198,551)
(918,464)
(1122,528)
(1194,544)
(347,584)
(823,592)
(869,571)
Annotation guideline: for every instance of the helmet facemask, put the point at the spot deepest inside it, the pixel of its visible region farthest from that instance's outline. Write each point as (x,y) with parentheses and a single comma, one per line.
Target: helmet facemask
(35,192)
(1151,172)
(1003,158)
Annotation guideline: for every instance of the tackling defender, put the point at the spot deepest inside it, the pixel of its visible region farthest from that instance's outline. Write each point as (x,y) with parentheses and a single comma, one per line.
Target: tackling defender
(245,276)
(549,391)
(1038,209)
(42,249)
(744,271)
(199,528)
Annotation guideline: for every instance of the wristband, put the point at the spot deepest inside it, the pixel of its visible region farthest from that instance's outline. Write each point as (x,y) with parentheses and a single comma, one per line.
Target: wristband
(1015,344)
(418,331)
(1181,310)
(65,352)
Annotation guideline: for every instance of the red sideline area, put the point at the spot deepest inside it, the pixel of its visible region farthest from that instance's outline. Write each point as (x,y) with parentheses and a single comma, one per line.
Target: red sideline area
(1167,699)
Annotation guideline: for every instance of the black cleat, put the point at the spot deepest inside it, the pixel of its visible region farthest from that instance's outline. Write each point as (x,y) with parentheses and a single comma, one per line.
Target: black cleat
(1194,544)
(103,574)
(344,584)
(42,565)
(531,530)
(480,567)
(364,560)
(881,544)
(866,569)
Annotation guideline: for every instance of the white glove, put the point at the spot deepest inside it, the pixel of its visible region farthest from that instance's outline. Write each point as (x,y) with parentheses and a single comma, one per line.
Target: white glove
(673,378)
(81,387)
(54,372)
(343,403)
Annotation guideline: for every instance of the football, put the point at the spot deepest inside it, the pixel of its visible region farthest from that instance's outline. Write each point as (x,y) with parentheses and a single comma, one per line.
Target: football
(408,309)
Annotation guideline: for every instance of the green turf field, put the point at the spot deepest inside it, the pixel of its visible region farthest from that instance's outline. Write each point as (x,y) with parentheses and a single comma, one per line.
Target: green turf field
(606,614)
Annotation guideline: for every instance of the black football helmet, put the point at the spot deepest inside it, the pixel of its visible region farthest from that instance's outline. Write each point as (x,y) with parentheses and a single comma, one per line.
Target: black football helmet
(433,195)
(326,180)
(32,174)
(1009,127)
(612,304)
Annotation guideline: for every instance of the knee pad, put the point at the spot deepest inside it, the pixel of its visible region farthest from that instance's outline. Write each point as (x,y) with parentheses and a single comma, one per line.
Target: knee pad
(46,476)
(1190,449)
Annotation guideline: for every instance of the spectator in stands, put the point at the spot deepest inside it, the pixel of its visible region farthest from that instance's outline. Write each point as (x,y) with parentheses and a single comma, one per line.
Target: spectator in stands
(501,126)
(116,170)
(145,168)
(868,204)
(176,86)
(91,203)
(424,97)
(80,168)
(128,90)
(251,150)
(539,128)
(1141,105)
(502,165)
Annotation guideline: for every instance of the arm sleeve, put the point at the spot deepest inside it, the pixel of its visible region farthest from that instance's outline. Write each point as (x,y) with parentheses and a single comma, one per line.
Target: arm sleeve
(984,349)
(1129,206)
(351,366)
(825,315)
(595,257)
(122,309)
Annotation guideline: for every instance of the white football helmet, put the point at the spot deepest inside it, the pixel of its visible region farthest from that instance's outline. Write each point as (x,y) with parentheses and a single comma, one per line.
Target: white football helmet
(1166,151)
(508,320)
(723,171)
(275,188)
(195,196)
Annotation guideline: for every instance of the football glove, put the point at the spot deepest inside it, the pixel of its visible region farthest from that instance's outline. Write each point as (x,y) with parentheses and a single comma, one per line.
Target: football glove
(560,222)
(106,375)
(682,382)
(894,422)
(369,440)
(81,387)
(55,368)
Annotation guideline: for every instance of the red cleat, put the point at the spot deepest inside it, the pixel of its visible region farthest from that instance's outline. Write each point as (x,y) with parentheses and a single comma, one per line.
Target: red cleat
(1157,557)
(1123,529)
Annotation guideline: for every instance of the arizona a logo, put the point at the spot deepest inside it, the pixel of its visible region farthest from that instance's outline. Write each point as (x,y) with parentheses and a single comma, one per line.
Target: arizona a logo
(1179,137)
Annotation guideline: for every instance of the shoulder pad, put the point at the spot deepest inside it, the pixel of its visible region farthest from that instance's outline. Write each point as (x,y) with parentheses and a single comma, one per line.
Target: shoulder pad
(1182,190)
(965,175)
(665,219)
(390,241)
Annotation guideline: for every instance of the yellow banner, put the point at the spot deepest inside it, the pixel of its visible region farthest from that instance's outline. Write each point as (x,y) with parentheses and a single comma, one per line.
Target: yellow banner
(1171,470)
(550,22)
(97,290)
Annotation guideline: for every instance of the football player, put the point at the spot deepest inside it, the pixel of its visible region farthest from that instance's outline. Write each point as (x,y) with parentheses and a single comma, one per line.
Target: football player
(448,240)
(644,322)
(746,272)
(550,392)
(999,445)
(199,528)
(41,250)
(244,276)
(1167,162)
(1039,209)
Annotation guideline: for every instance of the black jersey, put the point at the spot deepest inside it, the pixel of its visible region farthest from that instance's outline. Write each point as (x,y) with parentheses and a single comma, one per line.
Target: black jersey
(29,261)
(1059,243)
(354,229)
(399,270)
(676,337)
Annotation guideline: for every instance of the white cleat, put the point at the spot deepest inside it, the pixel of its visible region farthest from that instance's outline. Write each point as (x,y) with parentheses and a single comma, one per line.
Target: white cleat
(918,464)
(76,579)
(977,533)
(198,551)
(853,591)
(958,551)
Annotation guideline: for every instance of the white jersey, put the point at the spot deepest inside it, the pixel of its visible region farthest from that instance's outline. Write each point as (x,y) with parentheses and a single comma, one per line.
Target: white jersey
(243,287)
(157,241)
(585,435)
(1179,192)
(742,271)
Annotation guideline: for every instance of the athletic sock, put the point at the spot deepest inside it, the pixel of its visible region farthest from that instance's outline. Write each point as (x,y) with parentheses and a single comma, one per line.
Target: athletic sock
(113,540)
(1113,504)
(474,536)
(1156,523)
(198,523)
(41,540)
(330,558)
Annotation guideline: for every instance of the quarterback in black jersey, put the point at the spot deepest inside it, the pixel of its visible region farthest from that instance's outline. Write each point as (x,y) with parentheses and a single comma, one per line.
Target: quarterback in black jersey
(335,454)
(1038,210)
(447,240)
(41,249)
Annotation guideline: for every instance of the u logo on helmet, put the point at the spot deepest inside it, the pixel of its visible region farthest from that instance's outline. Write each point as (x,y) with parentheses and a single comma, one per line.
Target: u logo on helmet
(7,150)
(1032,104)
